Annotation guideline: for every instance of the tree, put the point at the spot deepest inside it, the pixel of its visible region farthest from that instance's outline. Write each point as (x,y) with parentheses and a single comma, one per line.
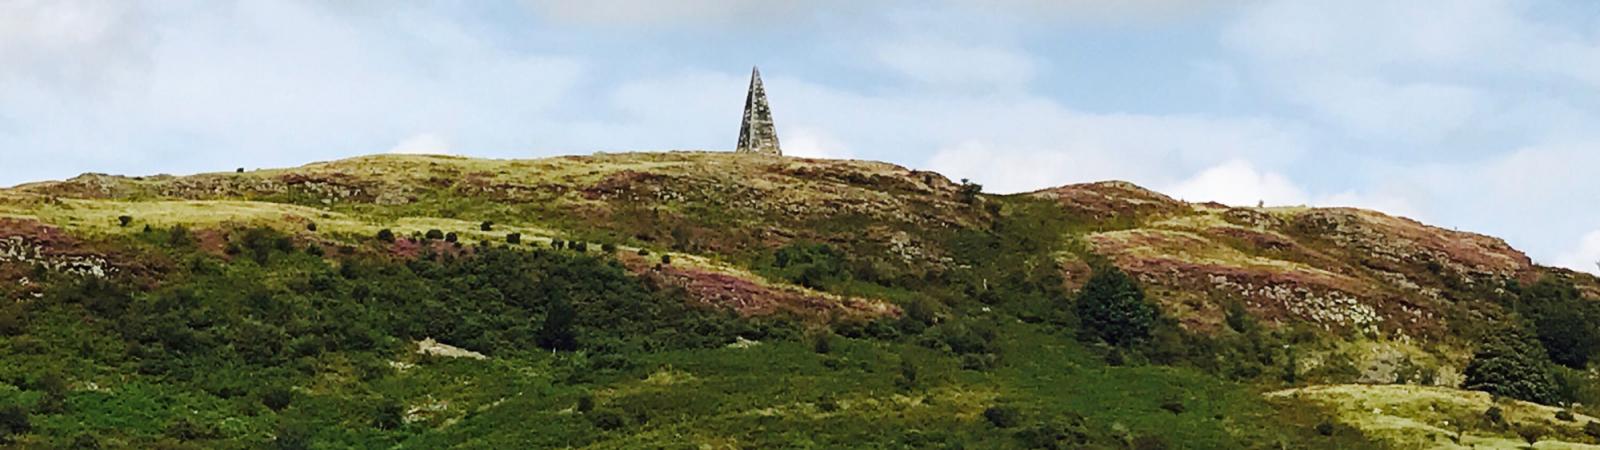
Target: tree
(1114,309)
(1564,322)
(514,238)
(124,220)
(486,226)
(1509,363)
(434,235)
(557,332)
(386,235)
(13,421)
(450,237)
(311,226)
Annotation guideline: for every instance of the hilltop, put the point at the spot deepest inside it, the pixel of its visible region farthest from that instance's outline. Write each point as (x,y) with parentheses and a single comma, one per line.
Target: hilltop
(730,301)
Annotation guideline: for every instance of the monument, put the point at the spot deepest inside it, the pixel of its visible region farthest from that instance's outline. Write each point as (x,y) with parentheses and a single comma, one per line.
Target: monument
(757,134)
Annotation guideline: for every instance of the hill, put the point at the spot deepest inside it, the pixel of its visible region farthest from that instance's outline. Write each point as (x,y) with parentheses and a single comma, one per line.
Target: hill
(718,300)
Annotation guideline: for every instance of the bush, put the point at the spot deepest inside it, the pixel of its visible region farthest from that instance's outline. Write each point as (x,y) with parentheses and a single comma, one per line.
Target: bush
(13,421)
(1592,429)
(1002,416)
(1149,442)
(644,252)
(1325,428)
(514,238)
(557,244)
(314,250)
(1113,308)
(389,415)
(666,259)
(311,226)
(450,237)
(277,398)
(434,235)
(124,220)
(386,235)
(579,246)
(1511,364)
(1567,325)
(606,419)
(822,343)
(608,247)
(585,403)
(486,226)
(1494,415)
(238,170)
(1565,416)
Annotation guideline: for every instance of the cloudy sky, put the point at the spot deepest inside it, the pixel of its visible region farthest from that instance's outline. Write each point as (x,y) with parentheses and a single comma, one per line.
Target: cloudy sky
(1482,115)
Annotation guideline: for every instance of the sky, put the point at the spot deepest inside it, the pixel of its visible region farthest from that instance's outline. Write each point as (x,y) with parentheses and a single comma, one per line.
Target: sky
(1477,115)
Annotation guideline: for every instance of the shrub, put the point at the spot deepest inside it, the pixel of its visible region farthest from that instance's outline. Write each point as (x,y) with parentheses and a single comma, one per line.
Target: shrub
(557,332)
(1002,416)
(822,342)
(969,191)
(434,235)
(1510,364)
(1173,406)
(450,237)
(606,419)
(386,235)
(644,252)
(580,247)
(514,238)
(1565,416)
(557,244)
(1592,429)
(1494,415)
(1325,428)
(314,250)
(388,415)
(13,421)
(586,403)
(311,226)
(124,220)
(1113,308)
(908,376)
(1567,325)
(666,259)
(277,398)
(486,226)
(608,247)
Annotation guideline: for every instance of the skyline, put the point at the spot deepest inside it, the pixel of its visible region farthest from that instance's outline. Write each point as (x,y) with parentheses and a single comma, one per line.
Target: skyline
(1473,116)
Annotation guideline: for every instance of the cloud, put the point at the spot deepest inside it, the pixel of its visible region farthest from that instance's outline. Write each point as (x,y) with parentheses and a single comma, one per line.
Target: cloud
(1238,183)
(669,13)
(422,144)
(813,143)
(948,64)
(1585,256)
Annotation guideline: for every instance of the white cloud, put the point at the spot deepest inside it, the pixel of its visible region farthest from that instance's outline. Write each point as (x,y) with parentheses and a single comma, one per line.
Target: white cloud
(1585,256)
(422,144)
(807,142)
(1238,183)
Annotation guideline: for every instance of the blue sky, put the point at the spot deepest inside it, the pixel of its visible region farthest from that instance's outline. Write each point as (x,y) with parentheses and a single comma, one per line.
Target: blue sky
(1472,114)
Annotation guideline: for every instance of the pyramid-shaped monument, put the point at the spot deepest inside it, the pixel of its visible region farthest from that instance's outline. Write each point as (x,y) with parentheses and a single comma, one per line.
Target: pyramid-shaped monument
(757,134)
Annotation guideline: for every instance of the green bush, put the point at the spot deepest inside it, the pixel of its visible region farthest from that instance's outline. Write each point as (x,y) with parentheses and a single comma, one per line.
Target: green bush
(124,220)
(514,238)
(1002,416)
(434,235)
(486,226)
(1513,365)
(1113,309)
(386,235)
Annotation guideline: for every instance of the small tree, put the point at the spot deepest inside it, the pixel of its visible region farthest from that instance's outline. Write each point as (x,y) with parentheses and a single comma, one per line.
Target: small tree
(557,244)
(434,235)
(514,238)
(666,260)
(1511,364)
(486,226)
(386,235)
(580,247)
(124,220)
(1113,308)
(311,226)
(450,237)
(557,332)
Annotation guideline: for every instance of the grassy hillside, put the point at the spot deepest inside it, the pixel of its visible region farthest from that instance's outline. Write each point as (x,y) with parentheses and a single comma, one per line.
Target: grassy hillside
(714,300)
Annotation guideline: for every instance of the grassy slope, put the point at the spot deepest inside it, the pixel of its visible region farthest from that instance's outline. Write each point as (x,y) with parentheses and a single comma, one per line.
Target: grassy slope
(723,212)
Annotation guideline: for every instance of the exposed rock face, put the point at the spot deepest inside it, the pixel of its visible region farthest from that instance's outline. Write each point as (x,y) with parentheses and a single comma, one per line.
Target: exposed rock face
(757,134)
